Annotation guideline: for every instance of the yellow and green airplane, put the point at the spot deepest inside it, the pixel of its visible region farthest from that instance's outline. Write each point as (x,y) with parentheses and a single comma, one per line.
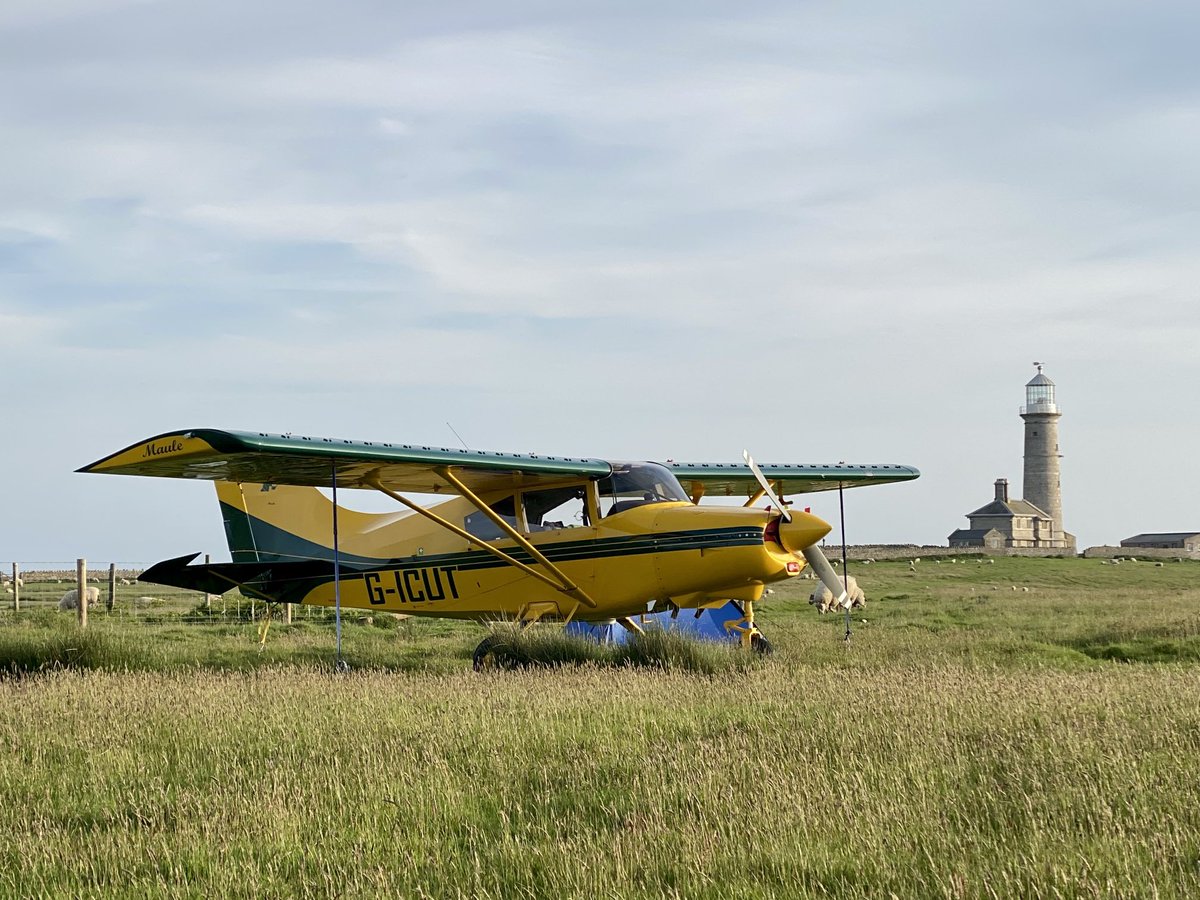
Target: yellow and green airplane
(524,537)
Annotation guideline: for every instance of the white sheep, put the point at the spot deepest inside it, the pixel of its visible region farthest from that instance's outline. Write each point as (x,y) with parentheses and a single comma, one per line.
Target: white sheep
(822,598)
(70,600)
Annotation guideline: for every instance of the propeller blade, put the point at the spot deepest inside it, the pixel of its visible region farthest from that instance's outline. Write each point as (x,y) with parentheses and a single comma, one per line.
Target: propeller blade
(766,486)
(829,577)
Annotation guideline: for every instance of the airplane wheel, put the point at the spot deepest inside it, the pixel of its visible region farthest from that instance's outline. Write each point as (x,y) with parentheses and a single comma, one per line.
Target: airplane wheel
(761,645)
(485,657)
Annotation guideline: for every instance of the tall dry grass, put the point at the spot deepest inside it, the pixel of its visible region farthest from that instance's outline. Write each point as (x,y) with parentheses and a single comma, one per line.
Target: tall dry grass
(788,780)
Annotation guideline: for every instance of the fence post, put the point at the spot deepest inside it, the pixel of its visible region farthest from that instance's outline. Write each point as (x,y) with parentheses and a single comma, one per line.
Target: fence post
(81,590)
(207,596)
(112,587)
(16,587)
(287,614)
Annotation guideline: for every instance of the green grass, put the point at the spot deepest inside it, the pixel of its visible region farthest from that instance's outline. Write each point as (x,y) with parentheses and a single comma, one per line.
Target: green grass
(966,743)
(514,648)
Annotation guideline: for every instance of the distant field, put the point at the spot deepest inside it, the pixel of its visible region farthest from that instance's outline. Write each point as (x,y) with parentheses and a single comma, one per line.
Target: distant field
(972,740)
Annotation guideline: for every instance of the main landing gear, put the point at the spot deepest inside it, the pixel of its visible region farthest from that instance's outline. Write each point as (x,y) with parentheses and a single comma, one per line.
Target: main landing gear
(486,656)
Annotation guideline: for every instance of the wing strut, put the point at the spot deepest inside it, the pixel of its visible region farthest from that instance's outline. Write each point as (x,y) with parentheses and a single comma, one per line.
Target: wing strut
(567,586)
(337,571)
(559,583)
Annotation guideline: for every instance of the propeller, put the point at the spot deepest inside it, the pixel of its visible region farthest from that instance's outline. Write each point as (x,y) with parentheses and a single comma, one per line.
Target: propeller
(766,486)
(802,540)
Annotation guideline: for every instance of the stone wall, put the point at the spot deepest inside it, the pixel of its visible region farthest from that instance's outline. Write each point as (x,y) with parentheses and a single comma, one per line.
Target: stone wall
(1107,552)
(911,551)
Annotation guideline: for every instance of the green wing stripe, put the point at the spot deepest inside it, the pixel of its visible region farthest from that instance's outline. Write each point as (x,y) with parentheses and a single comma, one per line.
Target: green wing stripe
(736,479)
(260,457)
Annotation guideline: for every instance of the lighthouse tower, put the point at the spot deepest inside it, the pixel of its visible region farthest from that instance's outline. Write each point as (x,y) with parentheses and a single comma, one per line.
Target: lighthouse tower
(1043,487)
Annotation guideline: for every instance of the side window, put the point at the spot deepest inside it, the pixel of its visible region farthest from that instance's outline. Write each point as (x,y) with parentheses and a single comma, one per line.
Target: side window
(556,508)
(478,524)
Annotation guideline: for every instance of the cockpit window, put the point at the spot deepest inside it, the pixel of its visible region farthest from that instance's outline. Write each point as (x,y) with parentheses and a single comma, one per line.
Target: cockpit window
(636,484)
(478,524)
(555,508)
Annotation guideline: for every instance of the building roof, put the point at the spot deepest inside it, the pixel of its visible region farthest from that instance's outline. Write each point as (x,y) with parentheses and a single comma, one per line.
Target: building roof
(1159,538)
(1038,380)
(973,534)
(1009,508)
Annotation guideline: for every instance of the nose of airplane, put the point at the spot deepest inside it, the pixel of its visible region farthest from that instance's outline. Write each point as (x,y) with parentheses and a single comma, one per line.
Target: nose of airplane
(804,530)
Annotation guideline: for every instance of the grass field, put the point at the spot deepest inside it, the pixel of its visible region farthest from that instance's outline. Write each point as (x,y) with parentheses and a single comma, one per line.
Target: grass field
(971,740)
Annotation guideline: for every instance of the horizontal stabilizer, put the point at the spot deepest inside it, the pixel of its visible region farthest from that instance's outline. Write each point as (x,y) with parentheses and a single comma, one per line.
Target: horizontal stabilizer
(281,582)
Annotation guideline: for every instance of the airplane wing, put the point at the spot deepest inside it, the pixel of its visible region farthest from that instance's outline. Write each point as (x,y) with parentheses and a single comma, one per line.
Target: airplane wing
(736,479)
(260,458)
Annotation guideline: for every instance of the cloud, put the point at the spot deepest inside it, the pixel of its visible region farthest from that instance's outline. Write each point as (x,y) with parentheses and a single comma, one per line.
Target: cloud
(607,228)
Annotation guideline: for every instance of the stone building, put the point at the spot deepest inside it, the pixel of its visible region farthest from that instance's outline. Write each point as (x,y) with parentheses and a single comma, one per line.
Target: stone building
(1035,522)
(1178,540)
(1006,523)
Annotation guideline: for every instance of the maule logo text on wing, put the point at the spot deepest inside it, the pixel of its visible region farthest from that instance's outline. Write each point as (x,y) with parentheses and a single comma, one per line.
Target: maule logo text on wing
(161,449)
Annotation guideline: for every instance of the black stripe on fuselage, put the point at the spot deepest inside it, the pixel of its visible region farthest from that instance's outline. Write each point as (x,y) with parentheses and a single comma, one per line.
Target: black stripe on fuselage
(275,543)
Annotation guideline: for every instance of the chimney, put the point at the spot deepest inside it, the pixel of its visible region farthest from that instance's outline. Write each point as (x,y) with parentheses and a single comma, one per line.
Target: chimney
(1002,490)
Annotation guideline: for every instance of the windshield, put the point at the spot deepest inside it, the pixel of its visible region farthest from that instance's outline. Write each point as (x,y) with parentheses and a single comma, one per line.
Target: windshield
(635,484)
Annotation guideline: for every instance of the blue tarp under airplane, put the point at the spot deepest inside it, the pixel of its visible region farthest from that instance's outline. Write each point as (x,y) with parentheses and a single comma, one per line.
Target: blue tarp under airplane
(706,624)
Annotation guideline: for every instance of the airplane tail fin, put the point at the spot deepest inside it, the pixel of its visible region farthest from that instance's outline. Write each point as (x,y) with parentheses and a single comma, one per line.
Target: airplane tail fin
(275,523)
(287,523)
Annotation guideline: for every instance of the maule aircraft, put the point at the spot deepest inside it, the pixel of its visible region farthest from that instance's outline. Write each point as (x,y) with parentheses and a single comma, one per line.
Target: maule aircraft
(523,537)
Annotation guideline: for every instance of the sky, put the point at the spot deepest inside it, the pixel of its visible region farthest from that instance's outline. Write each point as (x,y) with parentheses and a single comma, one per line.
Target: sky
(821,231)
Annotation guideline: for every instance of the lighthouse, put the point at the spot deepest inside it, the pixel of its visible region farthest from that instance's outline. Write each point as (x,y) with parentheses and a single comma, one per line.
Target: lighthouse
(1043,485)
(1033,525)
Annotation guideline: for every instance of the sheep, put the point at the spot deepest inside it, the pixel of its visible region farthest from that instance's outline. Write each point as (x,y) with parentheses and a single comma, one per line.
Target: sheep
(822,598)
(70,600)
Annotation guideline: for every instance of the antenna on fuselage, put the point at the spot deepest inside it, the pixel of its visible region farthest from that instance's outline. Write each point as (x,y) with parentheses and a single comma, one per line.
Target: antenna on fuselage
(459,436)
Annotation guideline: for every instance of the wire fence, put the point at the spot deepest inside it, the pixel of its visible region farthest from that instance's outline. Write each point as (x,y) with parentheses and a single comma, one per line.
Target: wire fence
(43,587)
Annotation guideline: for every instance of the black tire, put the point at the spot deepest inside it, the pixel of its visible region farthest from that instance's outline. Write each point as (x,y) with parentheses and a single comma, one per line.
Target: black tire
(761,645)
(484,657)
